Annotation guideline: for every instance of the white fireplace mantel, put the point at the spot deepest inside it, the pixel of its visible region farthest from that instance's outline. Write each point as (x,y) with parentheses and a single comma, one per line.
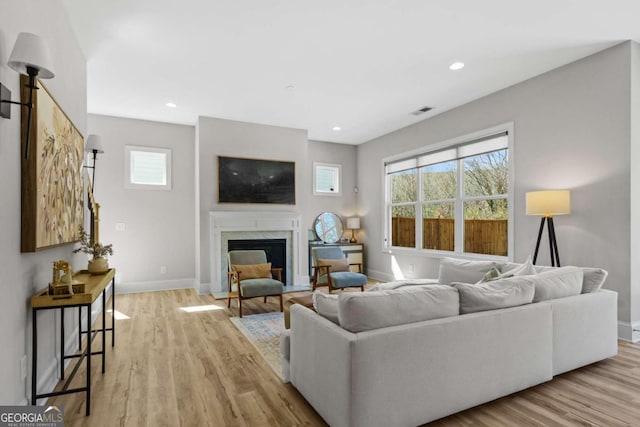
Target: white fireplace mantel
(258,223)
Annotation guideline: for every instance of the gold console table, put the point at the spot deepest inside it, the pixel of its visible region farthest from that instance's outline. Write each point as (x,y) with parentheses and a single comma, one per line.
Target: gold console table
(94,286)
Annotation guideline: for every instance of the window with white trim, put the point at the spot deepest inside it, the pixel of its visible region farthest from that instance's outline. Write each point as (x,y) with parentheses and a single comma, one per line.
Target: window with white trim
(454,199)
(147,168)
(326,179)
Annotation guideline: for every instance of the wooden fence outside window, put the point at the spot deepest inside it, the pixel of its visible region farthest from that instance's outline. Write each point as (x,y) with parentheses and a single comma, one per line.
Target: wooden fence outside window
(481,236)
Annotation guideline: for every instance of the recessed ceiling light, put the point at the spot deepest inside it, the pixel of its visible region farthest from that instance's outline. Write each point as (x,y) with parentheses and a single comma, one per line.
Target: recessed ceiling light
(170,105)
(336,128)
(456,66)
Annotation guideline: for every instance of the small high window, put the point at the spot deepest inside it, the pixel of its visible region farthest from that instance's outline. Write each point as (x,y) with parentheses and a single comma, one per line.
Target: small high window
(147,168)
(326,179)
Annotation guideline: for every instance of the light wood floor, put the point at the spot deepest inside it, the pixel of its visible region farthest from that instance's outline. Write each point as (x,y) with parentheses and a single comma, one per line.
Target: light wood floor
(176,368)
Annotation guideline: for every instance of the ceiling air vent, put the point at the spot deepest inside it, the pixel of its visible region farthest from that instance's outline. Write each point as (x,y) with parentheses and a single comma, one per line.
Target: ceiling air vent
(421,111)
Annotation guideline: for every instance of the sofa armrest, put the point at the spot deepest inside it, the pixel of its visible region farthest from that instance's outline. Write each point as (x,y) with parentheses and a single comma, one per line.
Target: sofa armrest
(585,329)
(320,363)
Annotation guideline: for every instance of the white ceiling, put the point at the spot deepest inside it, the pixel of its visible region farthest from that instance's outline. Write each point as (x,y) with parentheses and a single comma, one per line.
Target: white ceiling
(363,65)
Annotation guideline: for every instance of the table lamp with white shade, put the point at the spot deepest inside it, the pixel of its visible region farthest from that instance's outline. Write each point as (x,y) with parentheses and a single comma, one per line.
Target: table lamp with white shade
(548,203)
(353,223)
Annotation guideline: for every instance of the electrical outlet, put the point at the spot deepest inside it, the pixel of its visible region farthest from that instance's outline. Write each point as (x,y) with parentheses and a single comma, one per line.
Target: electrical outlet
(163,269)
(411,268)
(23,367)
(120,226)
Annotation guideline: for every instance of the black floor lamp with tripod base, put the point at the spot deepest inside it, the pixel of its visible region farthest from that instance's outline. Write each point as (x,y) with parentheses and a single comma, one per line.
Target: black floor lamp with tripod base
(547,204)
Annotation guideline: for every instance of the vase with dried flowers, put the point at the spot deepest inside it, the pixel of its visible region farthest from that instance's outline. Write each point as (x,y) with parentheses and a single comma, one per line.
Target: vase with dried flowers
(99,263)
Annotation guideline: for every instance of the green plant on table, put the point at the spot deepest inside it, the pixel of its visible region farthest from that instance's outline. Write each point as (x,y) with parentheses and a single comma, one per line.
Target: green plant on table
(97,249)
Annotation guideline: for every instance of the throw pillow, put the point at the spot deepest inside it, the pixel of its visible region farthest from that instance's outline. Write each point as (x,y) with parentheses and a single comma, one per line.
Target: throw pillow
(525,269)
(500,293)
(253,271)
(543,268)
(335,264)
(457,270)
(593,279)
(492,274)
(326,305)
(364,311)
(557,283)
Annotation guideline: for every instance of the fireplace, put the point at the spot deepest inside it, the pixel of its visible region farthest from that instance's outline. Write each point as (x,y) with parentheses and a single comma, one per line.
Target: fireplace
(229,226)
(276,250)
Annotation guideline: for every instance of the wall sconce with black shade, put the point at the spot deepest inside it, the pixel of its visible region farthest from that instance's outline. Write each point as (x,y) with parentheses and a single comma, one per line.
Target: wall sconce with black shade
(30,56)
(93,145)
(548,203)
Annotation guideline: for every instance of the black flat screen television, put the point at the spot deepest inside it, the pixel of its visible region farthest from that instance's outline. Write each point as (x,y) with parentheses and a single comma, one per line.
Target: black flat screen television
(256,181)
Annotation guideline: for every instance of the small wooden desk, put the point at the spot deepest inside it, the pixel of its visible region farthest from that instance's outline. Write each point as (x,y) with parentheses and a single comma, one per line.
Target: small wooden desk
(94,286)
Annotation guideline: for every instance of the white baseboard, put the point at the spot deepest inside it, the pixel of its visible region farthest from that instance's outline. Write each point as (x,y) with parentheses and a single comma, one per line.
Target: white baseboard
(50,378)
(156,285)
(379,275)
(629,332)
(202,288)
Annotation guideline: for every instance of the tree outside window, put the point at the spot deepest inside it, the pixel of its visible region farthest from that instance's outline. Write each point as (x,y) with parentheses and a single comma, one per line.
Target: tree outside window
(430,204)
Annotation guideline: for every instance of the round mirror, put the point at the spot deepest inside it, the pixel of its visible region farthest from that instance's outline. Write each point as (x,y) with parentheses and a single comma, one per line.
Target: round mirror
(328,227)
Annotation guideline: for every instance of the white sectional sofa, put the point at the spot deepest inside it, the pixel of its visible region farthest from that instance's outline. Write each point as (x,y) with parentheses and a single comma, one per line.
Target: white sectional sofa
(412,373)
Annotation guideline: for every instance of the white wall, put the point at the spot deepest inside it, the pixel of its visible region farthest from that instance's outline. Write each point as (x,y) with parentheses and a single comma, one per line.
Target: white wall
(159,229)
(218,137)
(572,131)
(159,225)
(345,205)
(22,275)
(635,188)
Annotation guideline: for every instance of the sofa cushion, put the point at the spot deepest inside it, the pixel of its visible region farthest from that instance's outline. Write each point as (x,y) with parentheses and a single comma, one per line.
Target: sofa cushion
(490,275)
(458,270)
(345,279)
(557,283)
(326,305)
(496,294)
(260,287)
(363,311)
(543,268)
(593,279)
(513,269)
(401,283)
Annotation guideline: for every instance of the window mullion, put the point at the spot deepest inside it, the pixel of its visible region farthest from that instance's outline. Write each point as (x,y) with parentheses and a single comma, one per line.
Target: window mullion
(388,216)
(481,198)
(459,209)
(490,226)
(419,220)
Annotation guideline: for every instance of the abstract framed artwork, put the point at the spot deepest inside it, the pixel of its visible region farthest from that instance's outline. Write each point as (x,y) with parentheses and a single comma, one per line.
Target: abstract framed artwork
(52,182)
(256,181)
